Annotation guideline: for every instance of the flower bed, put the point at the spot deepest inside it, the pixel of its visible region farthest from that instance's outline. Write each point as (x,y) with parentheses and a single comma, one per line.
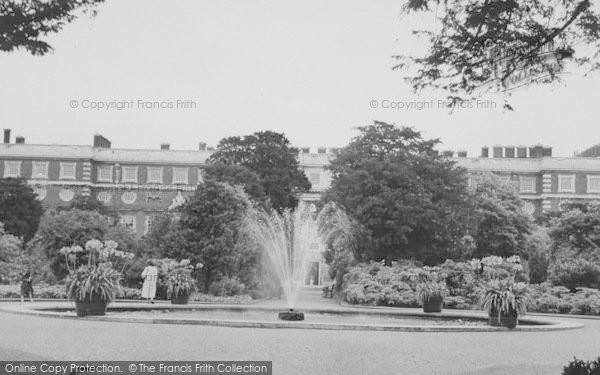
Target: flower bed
(376,285)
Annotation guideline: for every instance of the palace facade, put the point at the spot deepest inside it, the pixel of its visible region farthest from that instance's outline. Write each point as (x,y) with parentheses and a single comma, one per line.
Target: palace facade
(138,184)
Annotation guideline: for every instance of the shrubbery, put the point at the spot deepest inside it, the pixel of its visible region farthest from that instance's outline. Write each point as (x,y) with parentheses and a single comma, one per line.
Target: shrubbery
(580,367)
(376,285)
(227,287)
(560,300)
(574,273)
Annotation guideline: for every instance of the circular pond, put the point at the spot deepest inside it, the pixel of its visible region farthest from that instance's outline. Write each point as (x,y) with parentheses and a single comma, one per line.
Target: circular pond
(341,318)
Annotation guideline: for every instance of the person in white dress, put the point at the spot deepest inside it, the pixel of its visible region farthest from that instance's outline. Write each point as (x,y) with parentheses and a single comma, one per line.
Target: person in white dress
(150,277)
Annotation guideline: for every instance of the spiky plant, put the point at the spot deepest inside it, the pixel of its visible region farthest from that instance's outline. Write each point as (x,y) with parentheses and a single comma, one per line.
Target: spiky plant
(94,283)
(503,297)
(428,289)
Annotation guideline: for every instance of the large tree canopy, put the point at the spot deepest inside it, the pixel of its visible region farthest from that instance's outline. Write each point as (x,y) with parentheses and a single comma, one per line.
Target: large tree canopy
(23,23)
(237,175)
(407,196)
(501,225)
(271,156)
(208,231)
(20,211)
(479,44)
(576,231)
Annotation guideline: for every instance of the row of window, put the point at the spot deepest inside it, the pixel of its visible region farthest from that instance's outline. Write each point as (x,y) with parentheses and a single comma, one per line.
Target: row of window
(154,175)
(566,183)
(129,174)
(39,169)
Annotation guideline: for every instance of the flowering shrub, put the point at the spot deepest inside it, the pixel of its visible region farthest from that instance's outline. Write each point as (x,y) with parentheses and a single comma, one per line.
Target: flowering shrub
(376,285)
(175,277)
(227,287)
(94,271)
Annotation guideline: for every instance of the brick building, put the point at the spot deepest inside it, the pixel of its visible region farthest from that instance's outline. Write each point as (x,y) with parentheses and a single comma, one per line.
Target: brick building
(138,184)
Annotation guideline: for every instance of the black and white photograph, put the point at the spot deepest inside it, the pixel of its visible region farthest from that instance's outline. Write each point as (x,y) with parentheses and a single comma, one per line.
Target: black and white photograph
(402,187)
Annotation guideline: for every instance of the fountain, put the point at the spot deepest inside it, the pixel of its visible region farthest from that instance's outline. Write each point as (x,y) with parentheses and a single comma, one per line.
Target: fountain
(286,239)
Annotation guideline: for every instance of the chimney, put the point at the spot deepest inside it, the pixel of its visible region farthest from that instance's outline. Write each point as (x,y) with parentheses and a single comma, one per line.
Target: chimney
(497,151)
(509,152)
(20,140)
(165,146)
(202,146)
(521,152)
(305,150)
(461,154)
(547,152)
(485,152)
(448,153)
(6,135)
(101,142)
(536,151)
(322,150)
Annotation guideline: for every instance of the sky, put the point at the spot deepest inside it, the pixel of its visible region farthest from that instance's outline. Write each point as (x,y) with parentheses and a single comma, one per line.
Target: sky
(189,71)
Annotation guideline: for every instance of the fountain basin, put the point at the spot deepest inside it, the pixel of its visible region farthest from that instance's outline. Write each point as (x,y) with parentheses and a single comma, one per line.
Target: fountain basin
(338,318)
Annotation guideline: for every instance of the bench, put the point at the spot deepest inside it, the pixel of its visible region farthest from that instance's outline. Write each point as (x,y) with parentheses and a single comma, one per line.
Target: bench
(328,291)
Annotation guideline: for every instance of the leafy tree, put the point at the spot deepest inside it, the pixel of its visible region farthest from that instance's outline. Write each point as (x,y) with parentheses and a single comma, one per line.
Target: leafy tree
(576,231)
(234,175)
(480,43)
(12,257)
(537,253)
(75,227)
(501,224)
(273,159)
(20,211)
(208,232)
(408,198)
(24,22)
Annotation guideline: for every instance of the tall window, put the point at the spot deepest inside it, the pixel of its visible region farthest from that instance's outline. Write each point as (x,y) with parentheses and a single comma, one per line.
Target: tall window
(148,223)
(39,169)
(180,175)
(128,222)
(527,184)
(566,183)
(12,169)
(105,173)
(593,184)
(130,174)
(200,176)
(155,175)
(315,179)
(67,171)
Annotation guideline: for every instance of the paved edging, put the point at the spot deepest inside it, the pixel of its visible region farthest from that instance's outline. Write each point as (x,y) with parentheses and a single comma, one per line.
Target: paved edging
(40,309)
